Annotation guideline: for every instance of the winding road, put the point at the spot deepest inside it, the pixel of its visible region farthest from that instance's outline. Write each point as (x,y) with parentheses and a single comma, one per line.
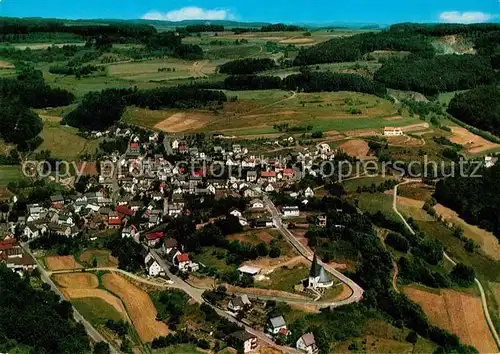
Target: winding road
(448,258)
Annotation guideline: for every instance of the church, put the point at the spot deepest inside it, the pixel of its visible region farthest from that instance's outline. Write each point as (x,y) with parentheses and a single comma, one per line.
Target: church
(318,276)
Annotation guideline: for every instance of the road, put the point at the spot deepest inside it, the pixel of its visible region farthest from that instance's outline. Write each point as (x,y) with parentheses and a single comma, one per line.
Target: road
(196,294)
(448,258)
(45,277)
(357,291)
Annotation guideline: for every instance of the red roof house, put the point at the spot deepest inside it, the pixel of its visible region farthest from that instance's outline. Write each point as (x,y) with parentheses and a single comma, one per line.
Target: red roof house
(125,211)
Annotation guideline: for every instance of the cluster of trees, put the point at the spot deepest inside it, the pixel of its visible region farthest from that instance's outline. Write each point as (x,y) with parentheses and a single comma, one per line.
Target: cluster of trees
(444,29)
(127,251)
(247,66)
(175,97)
(200,28)
(100,110)
(26,310)
(474,199)
(78,71)
(18,124)
(170,44)
(115,30)
(280,27)
(317,81)
(479,107)
(382,187)
(438,74)
(353,48)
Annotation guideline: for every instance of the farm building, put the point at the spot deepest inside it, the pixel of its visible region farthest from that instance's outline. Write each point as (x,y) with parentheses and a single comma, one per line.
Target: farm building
(391,131)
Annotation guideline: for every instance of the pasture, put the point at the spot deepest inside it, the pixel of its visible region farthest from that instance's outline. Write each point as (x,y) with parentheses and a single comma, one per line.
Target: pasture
(284,278)
(139,306)
(160,70)
(10,174)
(64,143)
(103,258)
(327,111)
(459,313)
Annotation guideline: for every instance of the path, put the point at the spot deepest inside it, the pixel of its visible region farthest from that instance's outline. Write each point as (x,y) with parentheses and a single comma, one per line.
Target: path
(478,283)
(357,291)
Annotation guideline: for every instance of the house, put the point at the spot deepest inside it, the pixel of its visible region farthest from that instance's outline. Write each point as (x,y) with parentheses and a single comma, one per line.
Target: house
(490,161)
(235,212)
(268,187)
(130,231)
(175,144)
(13,256)
(169,244)
(277,325)
(391,131)
(269,176)
(262,223)
(31,231)
(249,270)
(184,264)
(152,266)
(307,344)
(256,204)
(318,277)
(154,238)
(290,211)
(239,303)
(124,211)
(246,340)
(288,174)
(56,200)
(134,148)
(114,221)
(321,220)
(251,176)
(309,193)
(237,148)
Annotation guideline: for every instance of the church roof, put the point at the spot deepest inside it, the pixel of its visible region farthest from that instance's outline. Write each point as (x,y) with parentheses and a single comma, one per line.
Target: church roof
(317,270)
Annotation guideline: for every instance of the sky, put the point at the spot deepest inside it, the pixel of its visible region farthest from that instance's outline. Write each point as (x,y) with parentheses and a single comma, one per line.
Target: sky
(287,11)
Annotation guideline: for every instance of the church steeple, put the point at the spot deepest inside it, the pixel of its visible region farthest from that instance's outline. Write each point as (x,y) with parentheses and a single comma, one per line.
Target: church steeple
(315,267)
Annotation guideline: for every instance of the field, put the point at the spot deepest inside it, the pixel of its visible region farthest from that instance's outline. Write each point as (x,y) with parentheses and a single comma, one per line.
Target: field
(10,174)
(332,111)
(355,147)
(457,312)
(63,142)
(472,143)
(284,278)
(101,302)
(139,307)
(488,242)
(377,202)
(77,280)
(103,257)
(62,263)
(97,310)
(149,70)
(181,122)
(252,237)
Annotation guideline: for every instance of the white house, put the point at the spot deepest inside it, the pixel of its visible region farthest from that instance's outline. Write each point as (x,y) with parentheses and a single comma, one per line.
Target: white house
(307,344)
(152,266)
(235,212)
(391,131)
(290,211)
(309,193)
(490,161)
(277,325)
(256,204)
(31,231)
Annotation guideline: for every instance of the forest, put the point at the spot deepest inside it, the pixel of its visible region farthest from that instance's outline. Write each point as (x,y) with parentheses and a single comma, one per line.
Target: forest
(479,107)
(100,110)
(18,124)
(442,73)
(352,48)
(247,66)
(474,199)
(26,314)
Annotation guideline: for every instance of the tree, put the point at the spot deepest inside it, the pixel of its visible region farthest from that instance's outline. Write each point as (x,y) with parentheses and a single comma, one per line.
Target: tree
(463,274)
(102,348)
